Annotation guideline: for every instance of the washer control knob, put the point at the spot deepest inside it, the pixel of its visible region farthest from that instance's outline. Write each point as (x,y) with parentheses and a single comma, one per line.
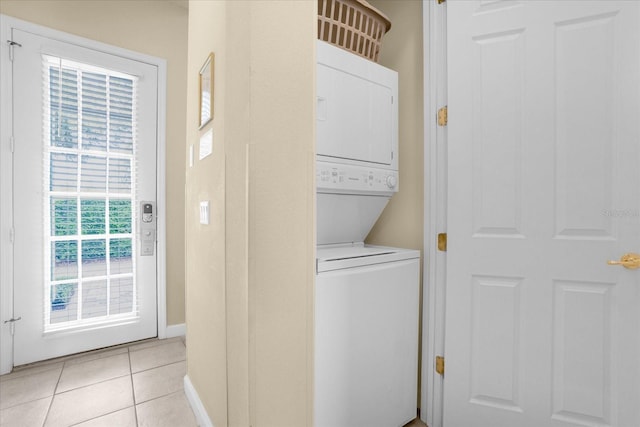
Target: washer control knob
(391,181)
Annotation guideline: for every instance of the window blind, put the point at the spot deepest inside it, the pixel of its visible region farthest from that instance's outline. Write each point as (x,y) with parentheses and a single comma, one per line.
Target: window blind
(89,194)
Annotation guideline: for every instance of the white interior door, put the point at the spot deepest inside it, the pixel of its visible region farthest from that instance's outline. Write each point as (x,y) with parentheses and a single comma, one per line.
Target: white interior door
(84,159)
(544,165)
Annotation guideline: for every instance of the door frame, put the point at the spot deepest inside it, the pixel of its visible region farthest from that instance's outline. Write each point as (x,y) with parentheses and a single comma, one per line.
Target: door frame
(8,23)
(435,209)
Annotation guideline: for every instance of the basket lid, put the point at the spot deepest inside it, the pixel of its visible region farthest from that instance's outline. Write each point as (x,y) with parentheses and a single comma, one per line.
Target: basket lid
(384,17)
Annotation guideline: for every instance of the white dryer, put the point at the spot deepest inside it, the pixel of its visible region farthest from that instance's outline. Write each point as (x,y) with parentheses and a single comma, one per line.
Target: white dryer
(367,297)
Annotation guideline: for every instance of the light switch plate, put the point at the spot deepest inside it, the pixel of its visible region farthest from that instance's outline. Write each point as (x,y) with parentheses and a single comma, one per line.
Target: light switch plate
(204,212)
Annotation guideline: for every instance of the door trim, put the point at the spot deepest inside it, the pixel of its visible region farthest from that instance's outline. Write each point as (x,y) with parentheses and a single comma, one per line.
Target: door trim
(8,23)
(435,210)
(6,199)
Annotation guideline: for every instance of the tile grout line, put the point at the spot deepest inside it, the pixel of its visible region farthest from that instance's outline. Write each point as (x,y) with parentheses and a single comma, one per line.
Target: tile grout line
(53,396)
(159,366)
(100,416)
(133,390)
(136,404)
(92,384)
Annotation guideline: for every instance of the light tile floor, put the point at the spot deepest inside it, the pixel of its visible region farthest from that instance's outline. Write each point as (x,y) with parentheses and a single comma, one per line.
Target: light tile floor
(128,386)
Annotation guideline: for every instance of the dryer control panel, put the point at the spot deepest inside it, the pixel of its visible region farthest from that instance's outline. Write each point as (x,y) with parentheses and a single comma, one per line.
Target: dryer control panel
(339,178)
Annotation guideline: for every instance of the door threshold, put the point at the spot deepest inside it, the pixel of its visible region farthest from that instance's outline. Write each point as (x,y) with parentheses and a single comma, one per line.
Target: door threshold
(139,344)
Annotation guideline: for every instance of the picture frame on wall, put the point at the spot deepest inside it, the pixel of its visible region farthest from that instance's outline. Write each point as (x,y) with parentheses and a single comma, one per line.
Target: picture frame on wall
(206,91)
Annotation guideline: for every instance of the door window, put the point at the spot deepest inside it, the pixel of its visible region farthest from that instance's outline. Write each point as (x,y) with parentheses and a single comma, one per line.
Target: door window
(89,148)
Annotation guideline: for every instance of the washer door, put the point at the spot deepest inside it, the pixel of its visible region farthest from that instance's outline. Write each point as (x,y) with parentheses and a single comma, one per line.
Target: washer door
(366,345)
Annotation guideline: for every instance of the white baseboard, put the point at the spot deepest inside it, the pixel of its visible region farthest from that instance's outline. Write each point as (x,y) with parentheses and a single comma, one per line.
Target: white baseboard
(196,404)
(178,330)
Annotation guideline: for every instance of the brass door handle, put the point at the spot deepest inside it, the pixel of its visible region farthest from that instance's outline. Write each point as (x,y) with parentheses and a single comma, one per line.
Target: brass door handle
(630,261)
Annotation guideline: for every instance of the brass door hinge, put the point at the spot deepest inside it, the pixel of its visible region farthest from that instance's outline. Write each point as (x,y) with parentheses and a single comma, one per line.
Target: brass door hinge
(442,242)
(443,116)
(440,365)
(441,1)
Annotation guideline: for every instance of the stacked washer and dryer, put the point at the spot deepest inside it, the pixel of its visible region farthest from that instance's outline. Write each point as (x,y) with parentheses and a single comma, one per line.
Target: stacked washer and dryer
(367,297)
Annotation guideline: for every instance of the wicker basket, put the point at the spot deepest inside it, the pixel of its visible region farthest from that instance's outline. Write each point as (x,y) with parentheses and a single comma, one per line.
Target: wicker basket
(353,25)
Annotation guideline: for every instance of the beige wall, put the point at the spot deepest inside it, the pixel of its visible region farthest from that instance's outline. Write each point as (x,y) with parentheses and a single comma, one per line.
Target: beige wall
(401,223)
(250,273)
(282,211)
(238,64)
(157,28)
(205,245)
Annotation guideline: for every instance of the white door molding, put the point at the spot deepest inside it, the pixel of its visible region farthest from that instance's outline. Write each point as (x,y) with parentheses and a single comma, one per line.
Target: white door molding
(6,200)
(7,24)
(435,211)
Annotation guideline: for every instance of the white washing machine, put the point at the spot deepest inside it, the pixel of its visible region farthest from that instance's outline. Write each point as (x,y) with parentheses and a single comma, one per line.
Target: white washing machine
(366,336)
(367,297)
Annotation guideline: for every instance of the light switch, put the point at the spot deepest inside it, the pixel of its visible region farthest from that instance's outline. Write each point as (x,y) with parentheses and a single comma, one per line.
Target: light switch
(204,212)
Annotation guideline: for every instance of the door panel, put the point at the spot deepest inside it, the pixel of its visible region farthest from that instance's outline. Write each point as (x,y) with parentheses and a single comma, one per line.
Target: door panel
(85,156)
(584,104)
(543,164)
(582,351)
(498,130)
(496,322)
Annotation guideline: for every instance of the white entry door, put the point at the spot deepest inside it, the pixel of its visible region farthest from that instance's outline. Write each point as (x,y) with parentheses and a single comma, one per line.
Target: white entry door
(544,169)
(84,125)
